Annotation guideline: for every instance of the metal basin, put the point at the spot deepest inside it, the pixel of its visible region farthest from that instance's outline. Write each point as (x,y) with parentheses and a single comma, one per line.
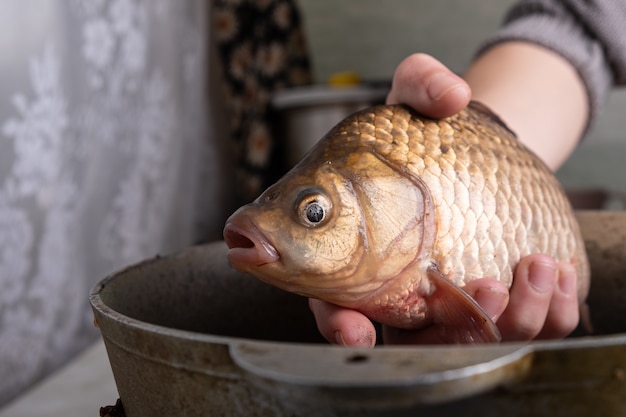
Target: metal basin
(186,335)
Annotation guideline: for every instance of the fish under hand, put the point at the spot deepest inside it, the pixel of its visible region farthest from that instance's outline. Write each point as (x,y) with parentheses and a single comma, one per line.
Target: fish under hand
(392,213)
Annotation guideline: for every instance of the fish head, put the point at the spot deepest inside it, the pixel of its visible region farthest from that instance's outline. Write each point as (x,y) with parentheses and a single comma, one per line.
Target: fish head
(304,234)
(337,230)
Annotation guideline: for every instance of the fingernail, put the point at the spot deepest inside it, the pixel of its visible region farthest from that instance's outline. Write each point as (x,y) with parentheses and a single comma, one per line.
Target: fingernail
(339,338)
(441,84)
(542,276)
(491,300)
(361,338)
(567,279)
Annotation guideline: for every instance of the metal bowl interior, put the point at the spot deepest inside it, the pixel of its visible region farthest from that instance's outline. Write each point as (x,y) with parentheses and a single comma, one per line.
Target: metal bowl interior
(197,291)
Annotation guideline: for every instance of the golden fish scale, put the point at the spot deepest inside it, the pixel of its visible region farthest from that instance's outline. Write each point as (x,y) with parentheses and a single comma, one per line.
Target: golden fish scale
(494,201)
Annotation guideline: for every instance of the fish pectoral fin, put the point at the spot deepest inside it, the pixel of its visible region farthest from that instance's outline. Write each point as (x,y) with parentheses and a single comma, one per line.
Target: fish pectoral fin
(460,318)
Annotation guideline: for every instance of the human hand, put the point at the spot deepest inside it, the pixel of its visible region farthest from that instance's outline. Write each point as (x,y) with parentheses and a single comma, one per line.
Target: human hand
(429,87)
(542,302)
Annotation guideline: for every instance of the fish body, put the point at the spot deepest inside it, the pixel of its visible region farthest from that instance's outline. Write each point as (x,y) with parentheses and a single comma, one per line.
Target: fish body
(392,213)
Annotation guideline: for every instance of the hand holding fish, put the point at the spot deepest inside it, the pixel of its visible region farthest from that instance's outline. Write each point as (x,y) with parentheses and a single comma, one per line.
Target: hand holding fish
(393,214)
(542,302)
(545,309)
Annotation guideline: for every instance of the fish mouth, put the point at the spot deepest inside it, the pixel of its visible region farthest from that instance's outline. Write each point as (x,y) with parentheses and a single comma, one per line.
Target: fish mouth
(247,247)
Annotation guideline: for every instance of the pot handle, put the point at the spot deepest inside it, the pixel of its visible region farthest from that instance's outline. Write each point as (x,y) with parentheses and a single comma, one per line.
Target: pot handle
(387,376)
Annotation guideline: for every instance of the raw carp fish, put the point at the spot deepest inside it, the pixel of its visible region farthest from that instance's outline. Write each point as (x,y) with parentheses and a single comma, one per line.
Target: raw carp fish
(392,213)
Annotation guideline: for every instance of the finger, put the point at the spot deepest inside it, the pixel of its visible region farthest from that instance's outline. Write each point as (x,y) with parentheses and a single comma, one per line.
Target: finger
(492,295)
(343,326)
(535,279)
(429,87)
(564,311)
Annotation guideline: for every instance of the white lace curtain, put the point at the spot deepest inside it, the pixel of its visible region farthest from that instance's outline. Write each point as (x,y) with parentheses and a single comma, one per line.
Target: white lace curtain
(103,140)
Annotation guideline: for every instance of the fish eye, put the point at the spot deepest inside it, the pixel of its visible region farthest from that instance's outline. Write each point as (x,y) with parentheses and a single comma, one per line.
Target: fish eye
(315,212)
(313,208)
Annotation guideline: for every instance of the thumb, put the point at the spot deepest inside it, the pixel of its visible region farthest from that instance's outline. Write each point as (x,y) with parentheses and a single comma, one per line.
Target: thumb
(425,84)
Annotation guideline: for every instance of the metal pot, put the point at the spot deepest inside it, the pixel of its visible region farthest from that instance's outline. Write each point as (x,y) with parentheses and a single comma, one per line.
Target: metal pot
(186,335)
(306,114)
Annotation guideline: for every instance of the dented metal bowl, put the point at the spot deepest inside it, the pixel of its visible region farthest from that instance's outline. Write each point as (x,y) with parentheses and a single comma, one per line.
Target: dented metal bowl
(186,335)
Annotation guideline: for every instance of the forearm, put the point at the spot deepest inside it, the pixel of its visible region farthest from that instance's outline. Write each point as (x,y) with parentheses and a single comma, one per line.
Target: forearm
(537,93)
(542,93)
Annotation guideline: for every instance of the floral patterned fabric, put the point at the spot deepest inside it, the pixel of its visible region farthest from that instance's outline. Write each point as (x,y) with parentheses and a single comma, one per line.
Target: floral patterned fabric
(262,49)
(102,140)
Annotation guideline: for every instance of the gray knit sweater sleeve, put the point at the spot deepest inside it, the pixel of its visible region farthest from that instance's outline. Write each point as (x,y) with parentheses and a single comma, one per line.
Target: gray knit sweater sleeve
(590,34)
